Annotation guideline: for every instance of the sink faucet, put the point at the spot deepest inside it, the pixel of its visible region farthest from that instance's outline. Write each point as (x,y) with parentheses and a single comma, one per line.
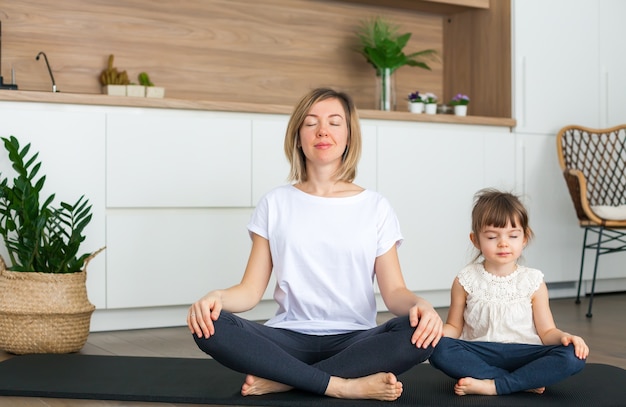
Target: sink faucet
(54,86)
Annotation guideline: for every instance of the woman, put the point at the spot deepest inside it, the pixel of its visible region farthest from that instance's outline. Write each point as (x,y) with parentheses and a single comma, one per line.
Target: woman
(325,238)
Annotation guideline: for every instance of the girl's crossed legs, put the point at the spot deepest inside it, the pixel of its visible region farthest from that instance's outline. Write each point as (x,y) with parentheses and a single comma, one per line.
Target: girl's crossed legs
(513,367)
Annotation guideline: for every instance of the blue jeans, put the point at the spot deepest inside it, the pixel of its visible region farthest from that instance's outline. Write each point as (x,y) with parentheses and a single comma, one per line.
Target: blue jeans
(307,362)
(514,367)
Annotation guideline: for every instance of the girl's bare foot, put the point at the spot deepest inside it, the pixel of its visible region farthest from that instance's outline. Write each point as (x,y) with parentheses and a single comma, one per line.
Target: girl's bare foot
(256,386)
(379,386)
(538,390)
(469,385)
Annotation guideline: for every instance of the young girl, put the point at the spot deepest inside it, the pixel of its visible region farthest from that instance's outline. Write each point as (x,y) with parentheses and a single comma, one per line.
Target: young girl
(507,340)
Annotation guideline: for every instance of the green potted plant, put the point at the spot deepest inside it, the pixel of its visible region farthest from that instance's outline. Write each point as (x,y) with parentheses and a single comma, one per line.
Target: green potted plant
(113,81)
(383,48)
(43,298)
(459,102)
(151,90)
(416,102)
(430,103)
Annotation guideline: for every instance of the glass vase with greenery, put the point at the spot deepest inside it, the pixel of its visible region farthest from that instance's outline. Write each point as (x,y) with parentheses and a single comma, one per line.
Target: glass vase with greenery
(383,47)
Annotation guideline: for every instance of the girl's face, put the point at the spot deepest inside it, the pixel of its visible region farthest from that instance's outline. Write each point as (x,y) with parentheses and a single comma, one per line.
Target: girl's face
(501,247)
(324,133)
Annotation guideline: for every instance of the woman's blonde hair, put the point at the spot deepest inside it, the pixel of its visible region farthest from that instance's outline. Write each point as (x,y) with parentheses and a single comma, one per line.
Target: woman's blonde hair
(497,209)
(293,149)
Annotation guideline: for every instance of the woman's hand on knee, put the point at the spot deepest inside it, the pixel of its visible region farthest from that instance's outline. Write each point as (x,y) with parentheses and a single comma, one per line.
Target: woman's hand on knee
(428,325)
(202,313)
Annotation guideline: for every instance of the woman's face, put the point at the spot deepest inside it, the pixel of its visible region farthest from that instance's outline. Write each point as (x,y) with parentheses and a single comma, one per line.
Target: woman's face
(324,133)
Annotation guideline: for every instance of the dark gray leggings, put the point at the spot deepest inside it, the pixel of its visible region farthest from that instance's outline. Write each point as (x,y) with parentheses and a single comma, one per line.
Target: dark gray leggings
(307,362)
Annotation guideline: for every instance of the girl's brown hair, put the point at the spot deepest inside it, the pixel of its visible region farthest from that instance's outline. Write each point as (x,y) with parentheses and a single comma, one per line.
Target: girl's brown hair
(293,151)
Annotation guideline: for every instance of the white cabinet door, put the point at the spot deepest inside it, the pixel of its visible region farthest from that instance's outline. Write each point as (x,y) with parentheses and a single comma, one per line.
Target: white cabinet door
(367,170)
(556,68)
(167,257)
(160,158)
(70,142)
(430,174)
(613,61)
(555,249)
(270,167)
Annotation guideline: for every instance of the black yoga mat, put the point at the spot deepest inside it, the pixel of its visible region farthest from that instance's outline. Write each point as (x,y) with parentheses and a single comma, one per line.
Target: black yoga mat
(178,380)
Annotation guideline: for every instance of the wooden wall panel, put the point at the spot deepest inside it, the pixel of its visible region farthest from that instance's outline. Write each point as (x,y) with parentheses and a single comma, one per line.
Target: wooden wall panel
(477,59)
(269,51)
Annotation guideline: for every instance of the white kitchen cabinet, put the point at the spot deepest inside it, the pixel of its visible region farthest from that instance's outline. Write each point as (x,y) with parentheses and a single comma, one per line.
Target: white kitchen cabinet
(430,174)
(270,167)
(172,256)
(556,247)
(556,64)
(612,63)
(162,158)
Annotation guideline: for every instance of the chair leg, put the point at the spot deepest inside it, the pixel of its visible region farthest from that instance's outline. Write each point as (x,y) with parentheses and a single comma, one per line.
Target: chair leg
(582,264)
(595,270)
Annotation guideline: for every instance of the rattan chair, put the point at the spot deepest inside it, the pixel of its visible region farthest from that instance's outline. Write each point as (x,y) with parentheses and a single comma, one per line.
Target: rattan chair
(594,166)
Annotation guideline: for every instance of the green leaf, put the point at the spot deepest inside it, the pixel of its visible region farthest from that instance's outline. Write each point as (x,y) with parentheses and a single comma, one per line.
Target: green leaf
(38,236)
(383,47)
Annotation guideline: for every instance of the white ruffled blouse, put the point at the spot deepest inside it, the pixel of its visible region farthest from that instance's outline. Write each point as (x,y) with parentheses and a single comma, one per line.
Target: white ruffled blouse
(499,309)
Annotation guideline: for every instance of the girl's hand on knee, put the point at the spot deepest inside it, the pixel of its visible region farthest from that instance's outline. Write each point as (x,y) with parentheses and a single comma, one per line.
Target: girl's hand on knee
(581,350)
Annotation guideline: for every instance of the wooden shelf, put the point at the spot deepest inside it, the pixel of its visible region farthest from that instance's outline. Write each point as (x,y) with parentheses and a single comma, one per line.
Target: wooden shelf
(443,7)
(209,105)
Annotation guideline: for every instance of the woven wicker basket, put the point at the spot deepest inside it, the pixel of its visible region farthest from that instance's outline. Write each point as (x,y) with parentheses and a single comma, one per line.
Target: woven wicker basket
(43,312)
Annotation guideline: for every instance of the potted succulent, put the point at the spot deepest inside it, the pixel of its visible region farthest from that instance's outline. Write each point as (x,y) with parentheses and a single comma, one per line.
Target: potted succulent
(416,102)
(151,90)
(430,103)
(113,82)
(459,103)
(382,47)
(43,297)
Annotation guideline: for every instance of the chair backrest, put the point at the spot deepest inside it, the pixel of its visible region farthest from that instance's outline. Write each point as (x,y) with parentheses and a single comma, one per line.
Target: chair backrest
(600,156)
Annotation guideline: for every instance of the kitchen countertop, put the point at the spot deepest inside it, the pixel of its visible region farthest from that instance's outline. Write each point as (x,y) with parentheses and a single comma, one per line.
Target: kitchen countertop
(208,105)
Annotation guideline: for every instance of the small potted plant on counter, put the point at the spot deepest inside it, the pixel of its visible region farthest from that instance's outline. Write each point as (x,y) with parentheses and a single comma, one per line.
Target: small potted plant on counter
(113,81)
(416,102)
(459,103)
(430,103)
(151,90)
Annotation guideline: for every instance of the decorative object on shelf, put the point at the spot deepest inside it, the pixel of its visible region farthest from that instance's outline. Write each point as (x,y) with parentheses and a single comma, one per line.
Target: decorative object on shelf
(43,299)
(151,90)
(382,47)
(113,82)
(430,103)
(416,104)
(12,85)
(134,90)
(459,103)
(45,57)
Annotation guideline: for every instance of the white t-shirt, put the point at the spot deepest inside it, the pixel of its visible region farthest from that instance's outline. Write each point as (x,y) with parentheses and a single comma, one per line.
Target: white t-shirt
(499,309)
(323,252)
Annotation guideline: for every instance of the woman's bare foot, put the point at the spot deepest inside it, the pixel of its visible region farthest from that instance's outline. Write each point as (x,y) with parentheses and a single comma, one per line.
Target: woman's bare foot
(469,385)
(379,386)
(256,386)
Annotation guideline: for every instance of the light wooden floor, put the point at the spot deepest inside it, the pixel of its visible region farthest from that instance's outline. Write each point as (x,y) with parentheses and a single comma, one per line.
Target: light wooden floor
(605,333)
